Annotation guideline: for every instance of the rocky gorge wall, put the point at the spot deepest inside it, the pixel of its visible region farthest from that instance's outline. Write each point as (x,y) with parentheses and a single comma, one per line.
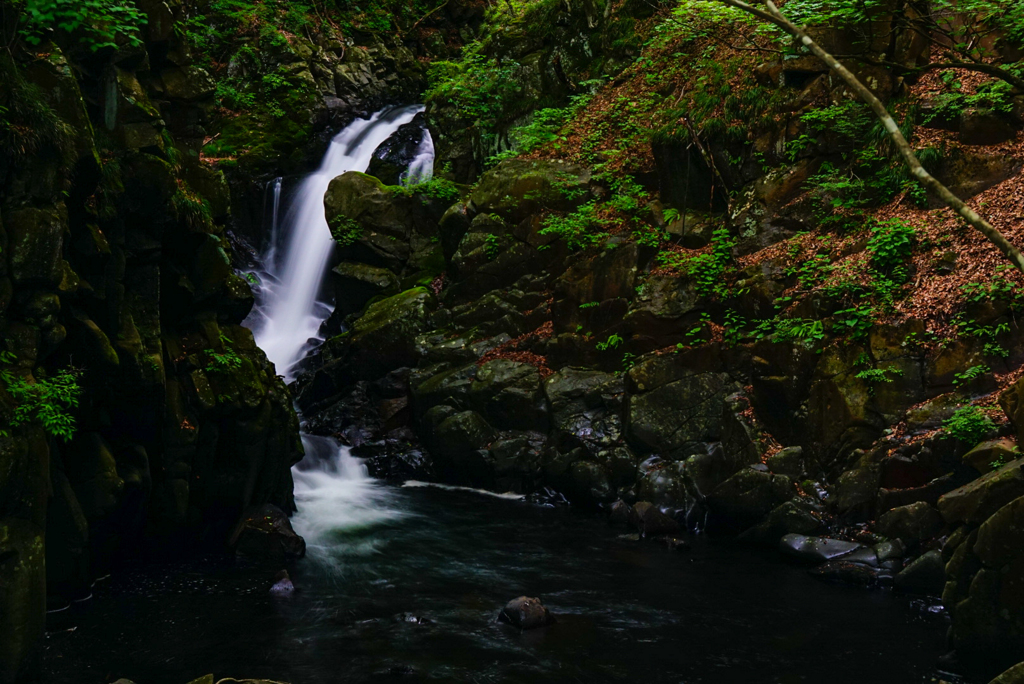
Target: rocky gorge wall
(137,416)
(491,344)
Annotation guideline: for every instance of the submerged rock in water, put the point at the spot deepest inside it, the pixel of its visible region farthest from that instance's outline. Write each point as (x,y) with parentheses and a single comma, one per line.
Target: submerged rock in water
(816,549)
(650,521)
(526,613)
(282,584)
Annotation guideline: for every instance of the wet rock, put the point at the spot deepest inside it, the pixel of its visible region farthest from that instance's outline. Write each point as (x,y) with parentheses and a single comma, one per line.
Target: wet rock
(509,394)
(391,159)
(585,408)
(459,443)
(855,492)
(913,523)
(816,549)
(677,417)
(995,451)
(676,543)
(976,501)
(788,461)
(519,188)
(526,613)
(748,496)
(650,521)
(889,550)
(925,575)
(384,337)
(265,532)
(848,572)
(282,584)
(792,517)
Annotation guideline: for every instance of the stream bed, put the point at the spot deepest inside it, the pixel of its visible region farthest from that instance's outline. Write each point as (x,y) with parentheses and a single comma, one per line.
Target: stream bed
(411,593)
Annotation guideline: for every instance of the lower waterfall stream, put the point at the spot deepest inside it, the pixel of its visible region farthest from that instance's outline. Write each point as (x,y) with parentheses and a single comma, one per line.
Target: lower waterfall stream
(406,582)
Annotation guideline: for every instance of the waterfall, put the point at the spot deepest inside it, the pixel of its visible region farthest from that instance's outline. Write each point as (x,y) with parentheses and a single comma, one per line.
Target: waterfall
(288,319)
(332,488)
(422,167)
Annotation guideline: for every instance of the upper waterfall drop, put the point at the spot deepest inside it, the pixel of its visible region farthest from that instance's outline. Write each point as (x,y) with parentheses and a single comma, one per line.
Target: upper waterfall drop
(289,315)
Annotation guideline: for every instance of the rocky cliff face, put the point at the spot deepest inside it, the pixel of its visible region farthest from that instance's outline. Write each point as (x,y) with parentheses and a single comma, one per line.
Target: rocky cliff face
(676,324)
(136,415)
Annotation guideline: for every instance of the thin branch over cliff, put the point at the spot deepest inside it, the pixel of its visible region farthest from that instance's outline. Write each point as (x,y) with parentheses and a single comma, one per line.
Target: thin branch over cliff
(776,17)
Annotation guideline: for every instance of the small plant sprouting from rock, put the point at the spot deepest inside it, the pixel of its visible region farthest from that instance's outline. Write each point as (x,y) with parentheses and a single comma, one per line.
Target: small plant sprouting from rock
(225,361)
(492,246)
(48,400)
(344,230)
(969,424)
(613,342)
(969,375)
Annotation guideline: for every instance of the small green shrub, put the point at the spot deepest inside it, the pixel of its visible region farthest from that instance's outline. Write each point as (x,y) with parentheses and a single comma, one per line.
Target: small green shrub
(223,361)
(891,243)
(580,229)
(344,230)
(49,401)
(492,246)
(96,24)
(972,373)
(613,342)
(969,424)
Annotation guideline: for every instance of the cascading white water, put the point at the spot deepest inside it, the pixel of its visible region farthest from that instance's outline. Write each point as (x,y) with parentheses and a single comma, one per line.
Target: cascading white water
(290,315)
(332,489)
(422,167)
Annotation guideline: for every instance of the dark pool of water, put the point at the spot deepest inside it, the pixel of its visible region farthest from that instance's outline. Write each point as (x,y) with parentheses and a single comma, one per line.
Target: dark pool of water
(415,598)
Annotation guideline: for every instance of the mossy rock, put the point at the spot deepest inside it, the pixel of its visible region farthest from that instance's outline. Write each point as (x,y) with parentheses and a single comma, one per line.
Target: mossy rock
(384,337)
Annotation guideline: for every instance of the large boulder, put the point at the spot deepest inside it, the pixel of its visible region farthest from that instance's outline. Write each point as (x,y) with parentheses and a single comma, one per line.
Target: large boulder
(518,189)
(384,337)
(675,413)
(977,500)
(985,588)
(509,394)
(460,442)
(391,160)
(265,533)
(585,408)
(748,496)
(912,523)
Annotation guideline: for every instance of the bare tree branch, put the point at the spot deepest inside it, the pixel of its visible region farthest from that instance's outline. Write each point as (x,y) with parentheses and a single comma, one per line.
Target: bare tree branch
(926,179)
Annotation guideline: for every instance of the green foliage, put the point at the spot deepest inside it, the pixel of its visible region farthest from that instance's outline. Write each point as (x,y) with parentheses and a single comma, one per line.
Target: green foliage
(437,188)
(879,375)
(969,424)
(222,361)
(613,342)
(480,87)
(580,229)
(28,125)
(190,208)
(891,243)
(492,246)
(544,128)
(856,321)
(48,401)
(95,24)
(708,268)
(344,230)
(791,329)
(972,373)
